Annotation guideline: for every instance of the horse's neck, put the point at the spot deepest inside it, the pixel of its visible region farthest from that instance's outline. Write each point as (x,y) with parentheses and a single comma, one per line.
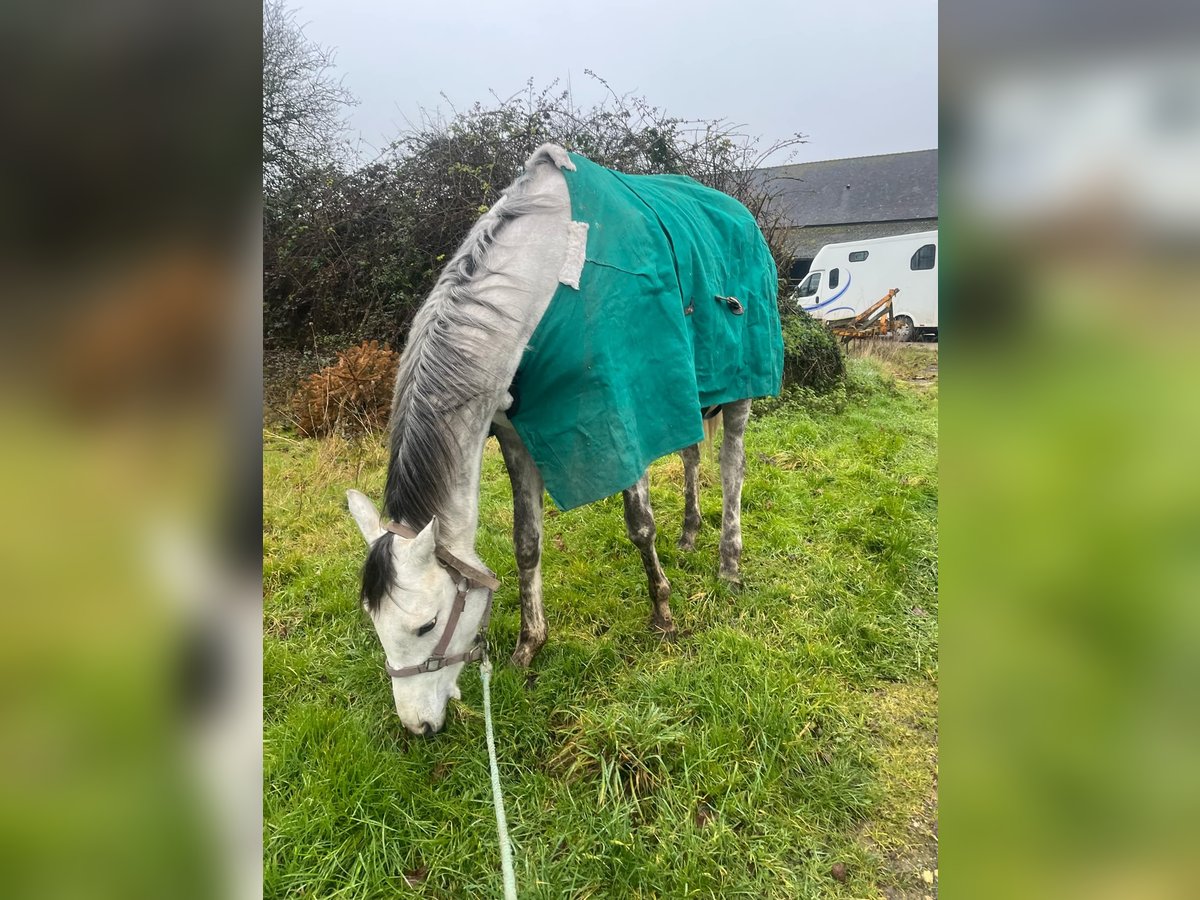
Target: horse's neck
(460,517)
(523,270)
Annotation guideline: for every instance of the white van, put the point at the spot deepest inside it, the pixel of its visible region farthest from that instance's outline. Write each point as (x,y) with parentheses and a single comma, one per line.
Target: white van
(846,279)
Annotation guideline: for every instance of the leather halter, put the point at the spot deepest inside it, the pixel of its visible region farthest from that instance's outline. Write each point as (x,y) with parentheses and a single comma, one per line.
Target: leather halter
(466,577)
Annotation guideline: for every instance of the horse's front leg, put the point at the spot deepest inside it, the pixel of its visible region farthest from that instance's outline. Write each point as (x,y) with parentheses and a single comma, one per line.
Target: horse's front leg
(639,522)
(527,489)
(733,473)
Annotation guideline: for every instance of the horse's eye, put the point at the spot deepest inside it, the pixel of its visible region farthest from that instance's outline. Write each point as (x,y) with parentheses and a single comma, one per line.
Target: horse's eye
(425,629)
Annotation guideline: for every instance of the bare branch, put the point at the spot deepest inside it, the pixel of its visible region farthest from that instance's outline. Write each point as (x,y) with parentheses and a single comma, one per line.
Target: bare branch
(303,105)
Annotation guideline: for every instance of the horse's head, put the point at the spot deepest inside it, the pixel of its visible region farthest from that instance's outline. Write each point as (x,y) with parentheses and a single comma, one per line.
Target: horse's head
(409,597)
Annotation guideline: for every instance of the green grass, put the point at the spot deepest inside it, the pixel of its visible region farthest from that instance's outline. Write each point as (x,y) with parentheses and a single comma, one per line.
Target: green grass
(742,760)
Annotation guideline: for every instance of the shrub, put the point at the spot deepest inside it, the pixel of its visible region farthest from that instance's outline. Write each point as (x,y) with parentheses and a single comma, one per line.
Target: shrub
(352,395)
(811,356)
(352,247)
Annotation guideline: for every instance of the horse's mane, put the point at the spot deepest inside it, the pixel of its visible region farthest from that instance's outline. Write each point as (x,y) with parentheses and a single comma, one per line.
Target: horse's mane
(447,363)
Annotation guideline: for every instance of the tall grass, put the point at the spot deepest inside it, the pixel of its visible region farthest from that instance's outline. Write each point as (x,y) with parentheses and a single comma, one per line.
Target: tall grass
(742,760)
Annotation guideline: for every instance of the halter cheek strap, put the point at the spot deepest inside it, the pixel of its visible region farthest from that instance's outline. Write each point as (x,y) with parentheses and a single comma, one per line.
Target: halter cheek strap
(466,578)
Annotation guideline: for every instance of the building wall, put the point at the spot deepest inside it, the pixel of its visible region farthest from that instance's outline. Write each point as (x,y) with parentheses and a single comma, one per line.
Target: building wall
(803,243)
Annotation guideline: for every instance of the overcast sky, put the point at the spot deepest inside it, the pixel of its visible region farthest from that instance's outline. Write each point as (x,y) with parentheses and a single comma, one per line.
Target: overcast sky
(858,77)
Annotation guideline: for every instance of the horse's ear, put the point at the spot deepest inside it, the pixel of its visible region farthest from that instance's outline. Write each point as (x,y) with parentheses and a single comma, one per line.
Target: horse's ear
(425,543)
(365,515)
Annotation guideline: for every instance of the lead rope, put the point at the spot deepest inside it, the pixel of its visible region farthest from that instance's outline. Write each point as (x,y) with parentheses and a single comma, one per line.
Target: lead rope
(506,862)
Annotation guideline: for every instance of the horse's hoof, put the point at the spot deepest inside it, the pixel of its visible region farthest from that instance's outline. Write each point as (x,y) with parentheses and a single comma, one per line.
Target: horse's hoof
(664,628)
(522,656)
(733,579)
(686,545)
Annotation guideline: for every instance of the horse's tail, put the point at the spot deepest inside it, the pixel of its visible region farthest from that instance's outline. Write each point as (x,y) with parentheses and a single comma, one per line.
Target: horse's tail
(711,425)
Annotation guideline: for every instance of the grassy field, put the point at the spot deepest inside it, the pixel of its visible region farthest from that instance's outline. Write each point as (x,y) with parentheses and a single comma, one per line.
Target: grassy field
(791,729)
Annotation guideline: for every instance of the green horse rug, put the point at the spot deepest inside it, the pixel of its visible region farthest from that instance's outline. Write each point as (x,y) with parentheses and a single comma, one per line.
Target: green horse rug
(670,310)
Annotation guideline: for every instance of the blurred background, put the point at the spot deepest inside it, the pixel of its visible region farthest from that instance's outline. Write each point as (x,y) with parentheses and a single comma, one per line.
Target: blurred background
(1070,519)
(129,458)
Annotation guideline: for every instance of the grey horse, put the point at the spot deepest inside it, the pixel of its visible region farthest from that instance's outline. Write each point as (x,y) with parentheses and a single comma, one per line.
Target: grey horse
(453,391)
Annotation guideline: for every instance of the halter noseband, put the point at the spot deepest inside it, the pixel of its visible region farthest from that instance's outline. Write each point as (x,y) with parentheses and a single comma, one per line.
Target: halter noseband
(466,577)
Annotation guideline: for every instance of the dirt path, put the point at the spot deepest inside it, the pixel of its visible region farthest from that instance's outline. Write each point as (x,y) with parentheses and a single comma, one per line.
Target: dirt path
(915,363)
(904,833)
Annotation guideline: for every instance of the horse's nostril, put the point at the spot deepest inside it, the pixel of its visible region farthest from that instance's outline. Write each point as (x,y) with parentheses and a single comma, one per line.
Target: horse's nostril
(426,729)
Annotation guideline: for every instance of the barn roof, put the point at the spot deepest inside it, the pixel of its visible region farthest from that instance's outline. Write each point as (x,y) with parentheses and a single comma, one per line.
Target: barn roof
(886,188)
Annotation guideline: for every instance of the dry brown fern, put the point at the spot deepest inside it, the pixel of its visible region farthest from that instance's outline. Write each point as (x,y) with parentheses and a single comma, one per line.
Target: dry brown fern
(352,395)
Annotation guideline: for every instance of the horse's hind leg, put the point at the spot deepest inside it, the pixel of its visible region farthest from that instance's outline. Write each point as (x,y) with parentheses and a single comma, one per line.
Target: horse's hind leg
(639,522)
(691,496)
(527,542)
(733,472)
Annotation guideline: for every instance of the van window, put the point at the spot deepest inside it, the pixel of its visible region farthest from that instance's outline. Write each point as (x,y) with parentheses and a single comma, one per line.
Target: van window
(859,255)
(809,285)
(924,258)
(834,276)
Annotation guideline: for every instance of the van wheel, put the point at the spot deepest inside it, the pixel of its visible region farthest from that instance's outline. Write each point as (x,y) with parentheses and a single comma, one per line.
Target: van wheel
(905,330)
